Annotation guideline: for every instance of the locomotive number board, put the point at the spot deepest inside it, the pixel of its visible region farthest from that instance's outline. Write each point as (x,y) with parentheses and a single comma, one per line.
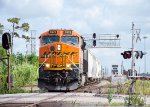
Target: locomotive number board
(68,32)
(52,32)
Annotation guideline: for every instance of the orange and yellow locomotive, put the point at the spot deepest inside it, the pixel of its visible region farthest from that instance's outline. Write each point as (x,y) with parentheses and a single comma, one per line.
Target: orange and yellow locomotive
(60,60)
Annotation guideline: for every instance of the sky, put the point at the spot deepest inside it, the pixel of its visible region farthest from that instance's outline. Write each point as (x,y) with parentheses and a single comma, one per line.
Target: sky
(85,17)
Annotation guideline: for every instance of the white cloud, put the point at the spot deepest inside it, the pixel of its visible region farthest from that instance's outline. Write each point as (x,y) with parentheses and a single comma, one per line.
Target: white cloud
(32,8)
(125,2)
(94,12)
(107,23)
(84,16)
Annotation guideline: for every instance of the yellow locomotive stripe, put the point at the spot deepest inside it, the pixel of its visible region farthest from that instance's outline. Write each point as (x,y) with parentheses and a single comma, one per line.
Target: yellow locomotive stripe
(55,69)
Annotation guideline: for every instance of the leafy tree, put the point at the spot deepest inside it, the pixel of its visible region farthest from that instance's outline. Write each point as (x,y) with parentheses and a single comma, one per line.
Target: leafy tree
(2,51)
(32,59)
(25,27)
(16,34)
(1,26)
(15,21)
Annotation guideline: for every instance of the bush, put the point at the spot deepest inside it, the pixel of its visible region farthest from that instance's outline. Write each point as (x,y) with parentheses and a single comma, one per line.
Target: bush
(23,70)
(3,78)
(134,100)
(24,74)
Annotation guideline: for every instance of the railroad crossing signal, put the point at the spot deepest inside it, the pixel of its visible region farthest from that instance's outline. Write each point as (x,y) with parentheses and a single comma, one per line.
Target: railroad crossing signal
(127,54)
(94,35)
(94,41)
(6,41)
(117,35)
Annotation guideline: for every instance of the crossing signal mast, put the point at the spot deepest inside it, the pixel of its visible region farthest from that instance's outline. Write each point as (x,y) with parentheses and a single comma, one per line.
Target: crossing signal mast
(133,54)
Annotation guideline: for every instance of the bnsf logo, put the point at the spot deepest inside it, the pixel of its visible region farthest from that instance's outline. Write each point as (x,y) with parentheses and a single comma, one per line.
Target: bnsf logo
(47,54)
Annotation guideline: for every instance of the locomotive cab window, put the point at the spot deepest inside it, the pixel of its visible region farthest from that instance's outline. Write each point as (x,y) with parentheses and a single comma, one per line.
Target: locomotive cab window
(71,40)
(49,39)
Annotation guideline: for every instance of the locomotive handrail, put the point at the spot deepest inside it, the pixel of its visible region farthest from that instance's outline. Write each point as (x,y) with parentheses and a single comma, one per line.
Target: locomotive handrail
(43,62)
(73,63)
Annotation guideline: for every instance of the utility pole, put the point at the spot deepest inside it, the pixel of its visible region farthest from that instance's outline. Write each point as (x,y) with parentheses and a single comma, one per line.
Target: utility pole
(33,33)
(12,38)
(145,54)
(122,68)
(31,43)
(144,64)
(132,86)
(133,58)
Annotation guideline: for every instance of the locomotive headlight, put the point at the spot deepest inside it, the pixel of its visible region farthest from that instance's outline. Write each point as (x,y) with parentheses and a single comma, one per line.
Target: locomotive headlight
(59,47)
(68,65)
(47,65)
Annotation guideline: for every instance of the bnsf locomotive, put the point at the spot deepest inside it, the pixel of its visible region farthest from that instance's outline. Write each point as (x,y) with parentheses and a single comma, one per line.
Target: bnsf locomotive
(61,56)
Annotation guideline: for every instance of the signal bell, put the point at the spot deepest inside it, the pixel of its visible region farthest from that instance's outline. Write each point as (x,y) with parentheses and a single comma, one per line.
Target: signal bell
(6,41)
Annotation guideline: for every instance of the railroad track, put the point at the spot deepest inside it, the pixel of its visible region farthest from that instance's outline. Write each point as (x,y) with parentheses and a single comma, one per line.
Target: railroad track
(18,97)
(88,88)
(98,88)
(53,99)
(9,103)
(44,100)
(15,101)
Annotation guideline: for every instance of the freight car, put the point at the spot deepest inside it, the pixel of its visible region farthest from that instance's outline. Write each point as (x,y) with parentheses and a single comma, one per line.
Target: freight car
(62,62)
(92,67)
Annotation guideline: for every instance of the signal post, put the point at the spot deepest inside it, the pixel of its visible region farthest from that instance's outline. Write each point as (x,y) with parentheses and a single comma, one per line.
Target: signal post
(6,43)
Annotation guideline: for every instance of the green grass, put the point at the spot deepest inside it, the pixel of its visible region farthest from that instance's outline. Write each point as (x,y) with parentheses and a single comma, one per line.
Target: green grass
(143,87)
(25,74)
(111,104)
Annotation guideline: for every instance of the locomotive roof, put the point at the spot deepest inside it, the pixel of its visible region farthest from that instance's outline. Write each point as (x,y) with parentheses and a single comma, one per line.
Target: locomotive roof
(59,32)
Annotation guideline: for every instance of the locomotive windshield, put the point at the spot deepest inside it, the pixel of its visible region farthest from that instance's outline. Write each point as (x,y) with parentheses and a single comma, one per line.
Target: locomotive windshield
(49,39)
(71,40)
